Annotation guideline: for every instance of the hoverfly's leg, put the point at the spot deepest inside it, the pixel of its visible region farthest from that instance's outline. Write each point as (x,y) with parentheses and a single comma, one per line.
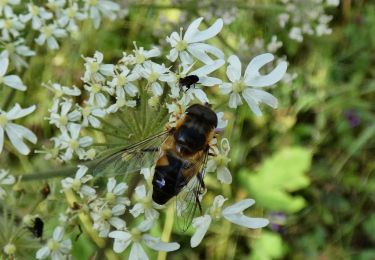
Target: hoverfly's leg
(152,149)
(201,182)
(198,203)
(80,232)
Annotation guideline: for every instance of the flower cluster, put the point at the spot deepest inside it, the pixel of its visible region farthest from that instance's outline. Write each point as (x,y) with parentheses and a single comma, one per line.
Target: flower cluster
(108,89)
(53,20)
(306,17)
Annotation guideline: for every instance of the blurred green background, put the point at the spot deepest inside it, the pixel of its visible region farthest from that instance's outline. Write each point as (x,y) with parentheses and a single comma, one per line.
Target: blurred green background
(309,164)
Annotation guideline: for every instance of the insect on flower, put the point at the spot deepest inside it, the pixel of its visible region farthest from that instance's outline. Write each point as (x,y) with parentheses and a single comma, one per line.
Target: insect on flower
(188,81)
(180,157)
(37,228)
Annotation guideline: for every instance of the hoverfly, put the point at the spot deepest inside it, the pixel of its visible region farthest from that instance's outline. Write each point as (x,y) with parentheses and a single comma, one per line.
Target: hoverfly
(188,81)
(37,228)
(180,157)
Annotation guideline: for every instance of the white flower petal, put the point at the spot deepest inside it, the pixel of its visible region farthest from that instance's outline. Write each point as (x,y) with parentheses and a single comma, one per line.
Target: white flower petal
(137,252)
(58,233)
(17,112)
(42,253)
(245,221)
(111,184)
(223,175)
(239,206)
(201,224)
(4,62)
(255,79)
(208,33)
(234,68)
(15,82)
(192,29)
(157,244)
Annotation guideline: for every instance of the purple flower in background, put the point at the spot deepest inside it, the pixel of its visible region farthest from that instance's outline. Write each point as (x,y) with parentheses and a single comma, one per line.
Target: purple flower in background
(352,118)
(277,220)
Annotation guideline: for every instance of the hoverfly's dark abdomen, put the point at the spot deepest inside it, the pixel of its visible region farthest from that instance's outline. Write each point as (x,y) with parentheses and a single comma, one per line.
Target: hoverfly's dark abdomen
(168,180)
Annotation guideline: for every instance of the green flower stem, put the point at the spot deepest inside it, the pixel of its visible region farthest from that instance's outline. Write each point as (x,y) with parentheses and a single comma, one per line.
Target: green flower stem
(8,99)
(126,124)
(167,231)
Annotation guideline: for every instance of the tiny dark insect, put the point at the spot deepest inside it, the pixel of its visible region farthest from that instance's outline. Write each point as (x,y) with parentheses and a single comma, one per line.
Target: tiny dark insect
(188,81)
(45,191)
(37,228)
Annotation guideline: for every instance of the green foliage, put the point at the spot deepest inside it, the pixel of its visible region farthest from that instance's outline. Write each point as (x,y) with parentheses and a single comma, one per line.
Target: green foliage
(268,246)
(277,177)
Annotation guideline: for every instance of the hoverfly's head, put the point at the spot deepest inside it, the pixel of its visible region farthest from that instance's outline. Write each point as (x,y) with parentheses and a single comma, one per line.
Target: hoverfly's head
(204,113)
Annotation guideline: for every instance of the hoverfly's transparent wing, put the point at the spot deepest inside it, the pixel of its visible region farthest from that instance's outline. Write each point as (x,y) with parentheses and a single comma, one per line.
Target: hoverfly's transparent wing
(189,198)
(131,158)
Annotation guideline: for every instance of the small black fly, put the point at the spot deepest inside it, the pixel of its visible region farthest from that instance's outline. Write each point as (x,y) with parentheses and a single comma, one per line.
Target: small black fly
(188,81)
(37,228)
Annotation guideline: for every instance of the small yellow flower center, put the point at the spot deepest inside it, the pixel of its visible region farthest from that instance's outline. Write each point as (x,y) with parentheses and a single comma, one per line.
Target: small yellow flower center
(110,198)
(181,45)
(139,57)
(53,245)
(86,111)
(96,88)
(121,80)
(9,249)
(71,12)
(63,120)
(91,154)
(59,93)
(34,10)
(10,48)
(94,67)
(106,214)
(76,185)
(147,203)
(153,77)
(215,212)
(47,31)
(93,2)
(3,120)
(73,144)
(136,235)
(221,160)
(238,86)
(8,24)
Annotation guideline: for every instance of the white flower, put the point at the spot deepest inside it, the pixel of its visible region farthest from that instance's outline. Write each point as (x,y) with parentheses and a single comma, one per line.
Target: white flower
(219,163)
(123,239)
(16,133)
(56,247)
(221,122)
(274,45)
(90,114)
(61,119)
(38,15)
(78,183)
(121,101)
(12,81)
(141,55)
(6,6)
(70,15)
(122,82)
(10,25)
(154,72)
(16,51)
(115,192)
(144,204)
(233,213)
(98,8)
(60,91)
(251,84)
(296,34)
(105,216)
(192,43)
(49,33)
(97,96)
(333,2)
(5,179)
(95,70)
(72,142)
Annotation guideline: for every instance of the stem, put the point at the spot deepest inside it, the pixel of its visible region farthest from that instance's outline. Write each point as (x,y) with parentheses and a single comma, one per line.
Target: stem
(167,230)
(8,99)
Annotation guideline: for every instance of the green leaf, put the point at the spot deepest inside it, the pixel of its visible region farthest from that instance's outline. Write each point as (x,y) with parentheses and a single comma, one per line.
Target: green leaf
(277,177)
(268,246)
